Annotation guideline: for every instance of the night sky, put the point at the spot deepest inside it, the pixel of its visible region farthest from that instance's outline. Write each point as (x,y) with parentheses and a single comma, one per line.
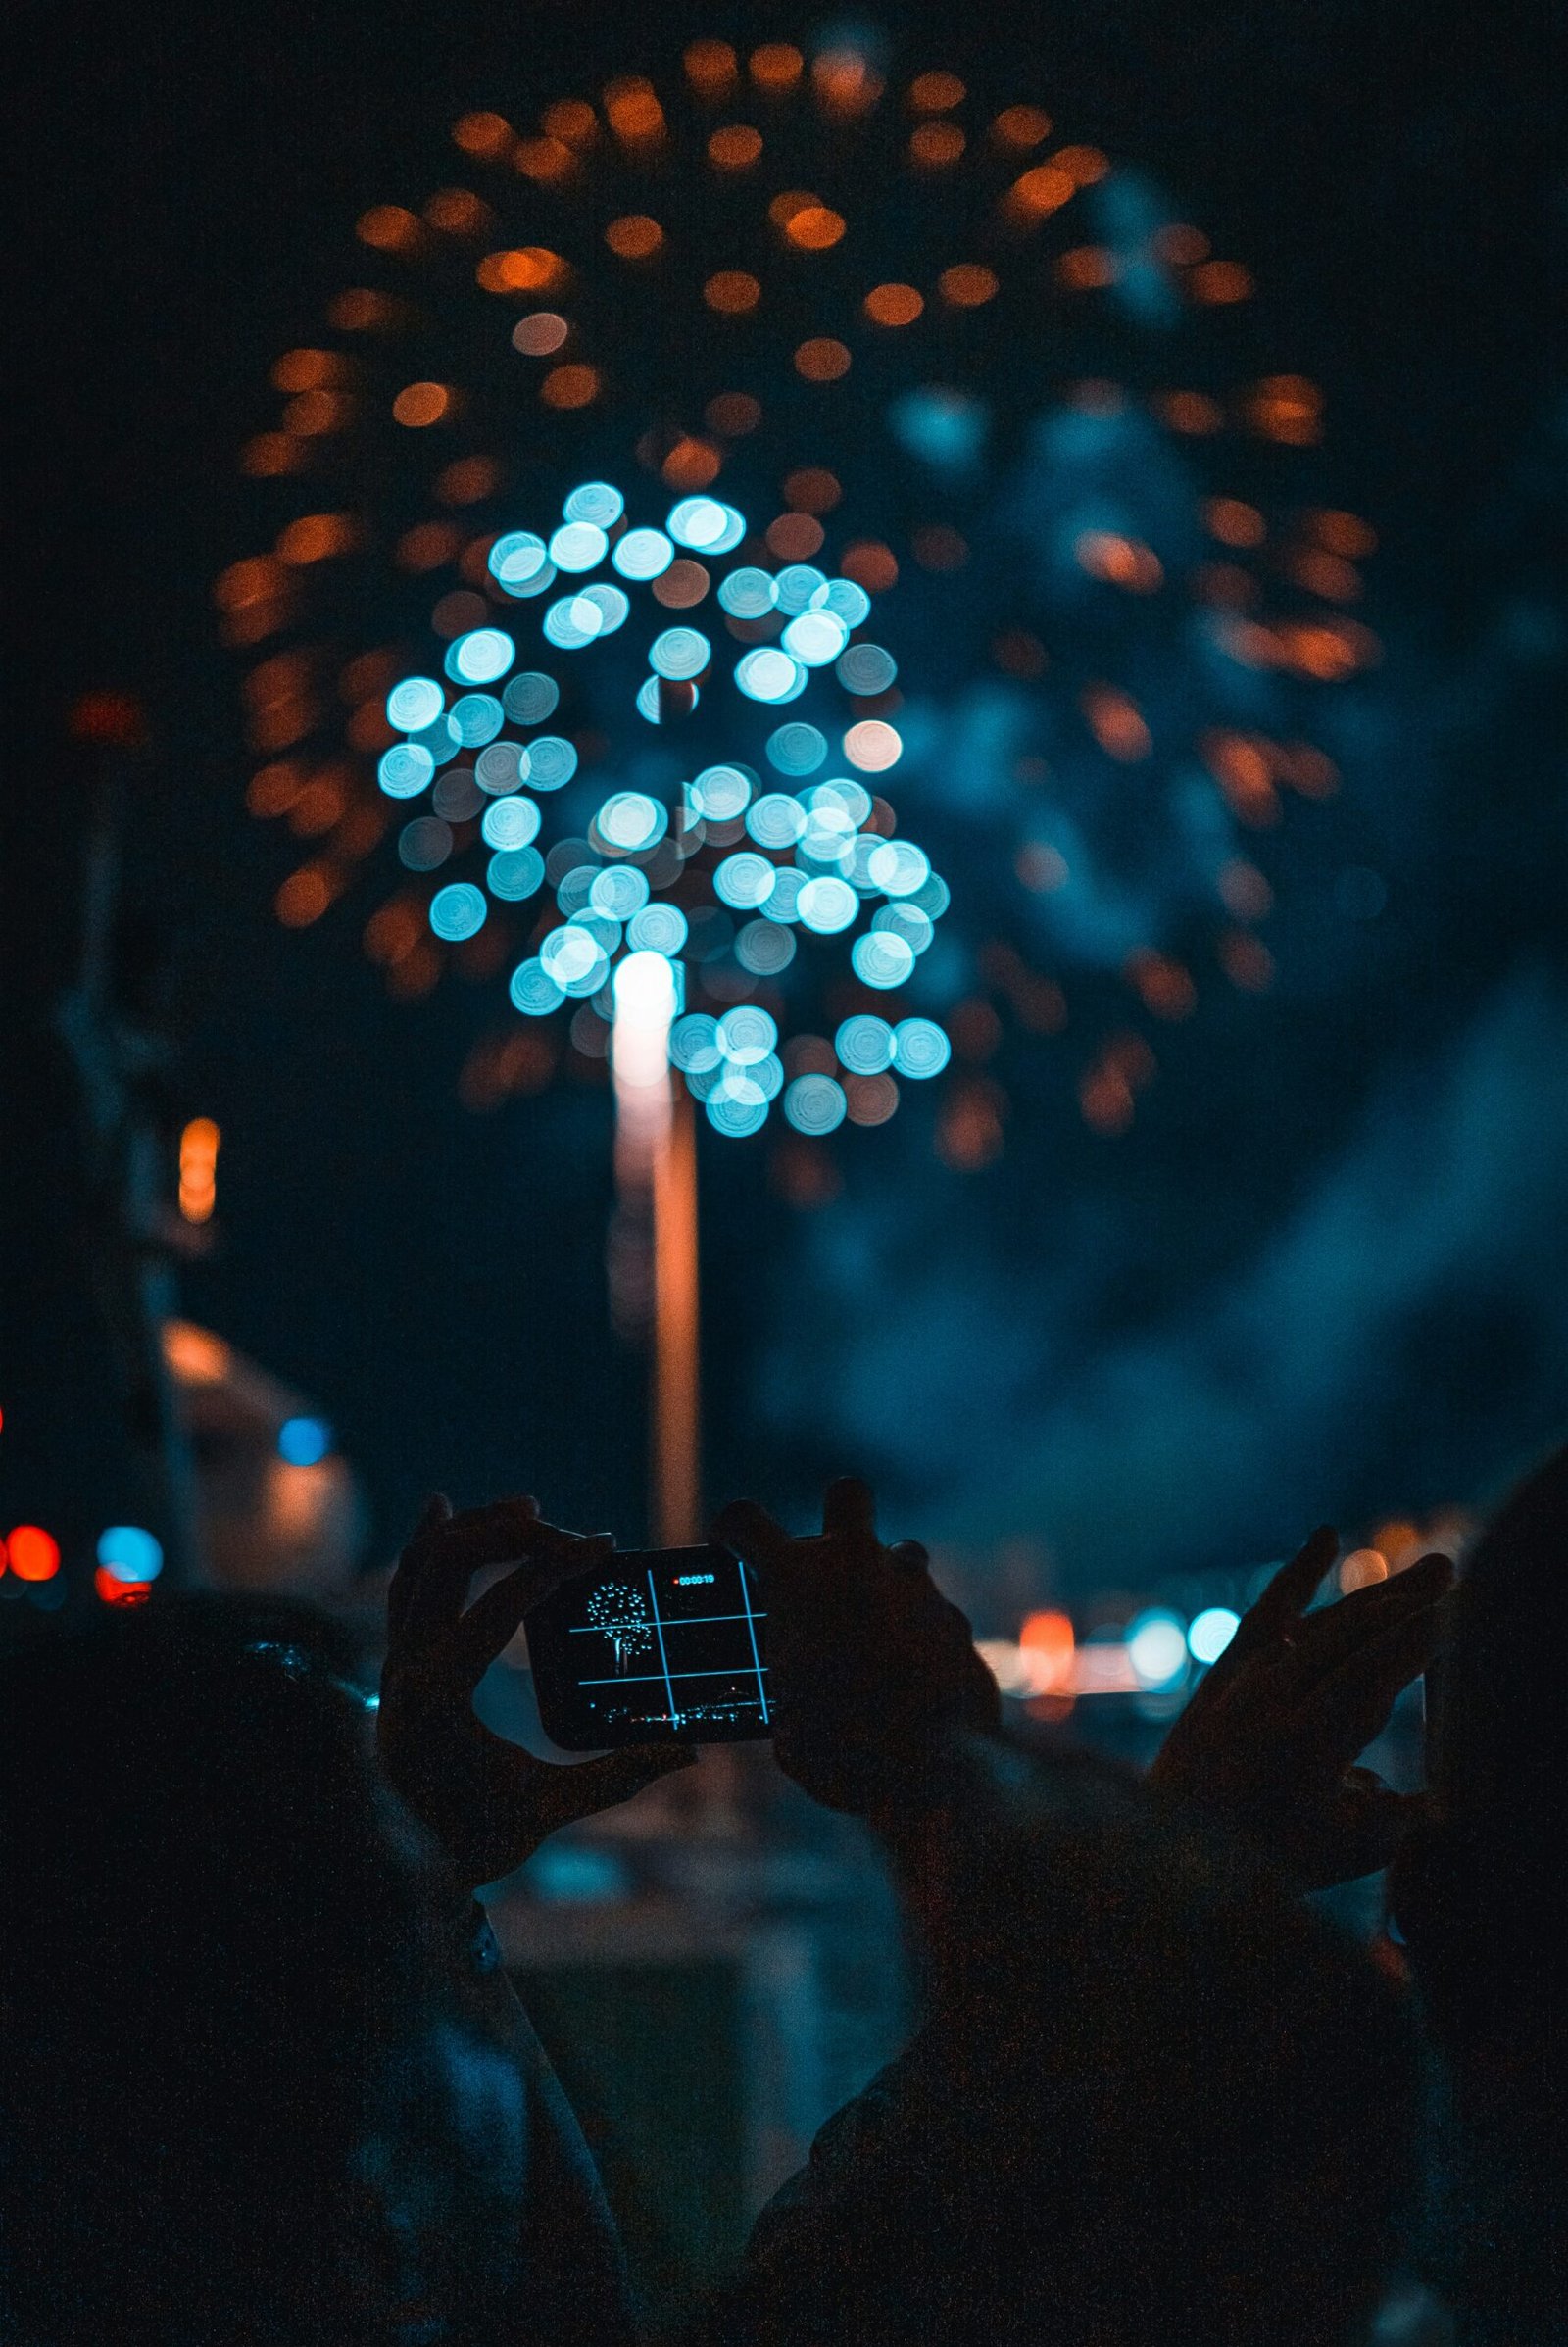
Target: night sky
(1324,1271)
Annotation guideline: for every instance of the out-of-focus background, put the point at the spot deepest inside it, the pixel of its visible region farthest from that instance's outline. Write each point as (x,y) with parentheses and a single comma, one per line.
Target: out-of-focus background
(1156,1275)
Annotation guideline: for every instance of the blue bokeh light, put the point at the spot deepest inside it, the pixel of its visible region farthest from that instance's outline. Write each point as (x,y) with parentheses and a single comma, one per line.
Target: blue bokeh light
(304,1441)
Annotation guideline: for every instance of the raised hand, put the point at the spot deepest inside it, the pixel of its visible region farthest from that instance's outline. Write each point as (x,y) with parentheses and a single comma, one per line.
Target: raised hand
(869,1663)
(489,1802)
(1271,1737)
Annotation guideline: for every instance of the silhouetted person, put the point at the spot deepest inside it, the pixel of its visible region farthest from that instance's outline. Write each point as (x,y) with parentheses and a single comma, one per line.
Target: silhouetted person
(254,2088)
(1484,1904)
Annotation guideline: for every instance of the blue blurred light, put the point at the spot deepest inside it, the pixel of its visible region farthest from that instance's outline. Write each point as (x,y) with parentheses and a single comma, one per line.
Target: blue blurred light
(440,738)
(730,536)
(775,820)
(784,897)
(618,892)
(747,1034)
(699,522)
(656,929)
(518,557)
(304,1441)
(865,668)
(768,675)
(569,954)
(1156,1648)
(744,881)
(907,921)
(946,428)
(897,867)
(737,1118)
(796,748)
(815,639)
(578,546)
(480,657)
(533,989)
(864,1045)
(516,873)
(920,1049)
(763,947)
(458,911)
(511,823)
(814,1104)
(881,960)
(425,844)
(643,554)
(693,1043)
(1211,1632)
(501,768)
(551,761)
(680,654)
(795,586)
(827,904)
(629,821)
(130,1553)
(720,793)
(611,604)
(841,797)
(405,770)
(851,603)
(933,897)
(572,622)
(596,502)
(477,718)
(747,593)
(413,703)
(530,696)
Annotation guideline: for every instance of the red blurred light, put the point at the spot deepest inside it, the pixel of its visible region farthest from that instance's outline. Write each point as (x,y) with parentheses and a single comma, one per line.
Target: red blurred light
(115,1592)
(33,1553)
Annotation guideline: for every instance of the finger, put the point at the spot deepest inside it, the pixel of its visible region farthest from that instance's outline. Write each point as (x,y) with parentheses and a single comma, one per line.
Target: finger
(1328,1637)
(751,1533)
(911,1554)
(434,1513)
(492,1619)
(561,1797)
(438,1565)
(1293,1587)
(1346,1710)
(848,1509)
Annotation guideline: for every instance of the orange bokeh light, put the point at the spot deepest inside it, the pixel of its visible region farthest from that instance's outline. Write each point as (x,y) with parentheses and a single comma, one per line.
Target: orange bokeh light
(458,211)
(934,93)
(306,895)
(1116,723)
(489,135)
(736,146)
(570,387)
(1086,266)
(870,565)
(815,227)
(733,413)
(357,308)
(419,404)
(776,67)
(813,489)
(821,360)
(526,268)
(691,464)
(315,536)
(711,68)
(934,144)
(1022,126)
(967,284)
(115,1592)
(33,1554)
(894,304)
(389,228)
(1234,523)
(1190,411)
(572,120)
(539,333)
(634,236)
(732,292)
(1045,188)
(1220,281)
(795,537)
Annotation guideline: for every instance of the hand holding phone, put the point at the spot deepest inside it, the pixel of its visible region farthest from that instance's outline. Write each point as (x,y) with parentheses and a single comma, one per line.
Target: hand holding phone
(652,1646)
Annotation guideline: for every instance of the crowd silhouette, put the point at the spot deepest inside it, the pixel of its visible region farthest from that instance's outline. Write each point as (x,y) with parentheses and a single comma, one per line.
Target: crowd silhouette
(264,2081)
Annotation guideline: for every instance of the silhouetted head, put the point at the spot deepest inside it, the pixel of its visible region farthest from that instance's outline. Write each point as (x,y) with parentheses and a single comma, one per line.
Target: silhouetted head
(1155,2100)
(215,1990)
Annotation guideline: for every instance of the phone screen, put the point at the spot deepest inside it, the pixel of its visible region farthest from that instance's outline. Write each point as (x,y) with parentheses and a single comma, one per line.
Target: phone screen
(659,1645)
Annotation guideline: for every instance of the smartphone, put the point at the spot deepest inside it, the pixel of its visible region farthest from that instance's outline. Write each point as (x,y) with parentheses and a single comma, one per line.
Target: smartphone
(664,1646)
